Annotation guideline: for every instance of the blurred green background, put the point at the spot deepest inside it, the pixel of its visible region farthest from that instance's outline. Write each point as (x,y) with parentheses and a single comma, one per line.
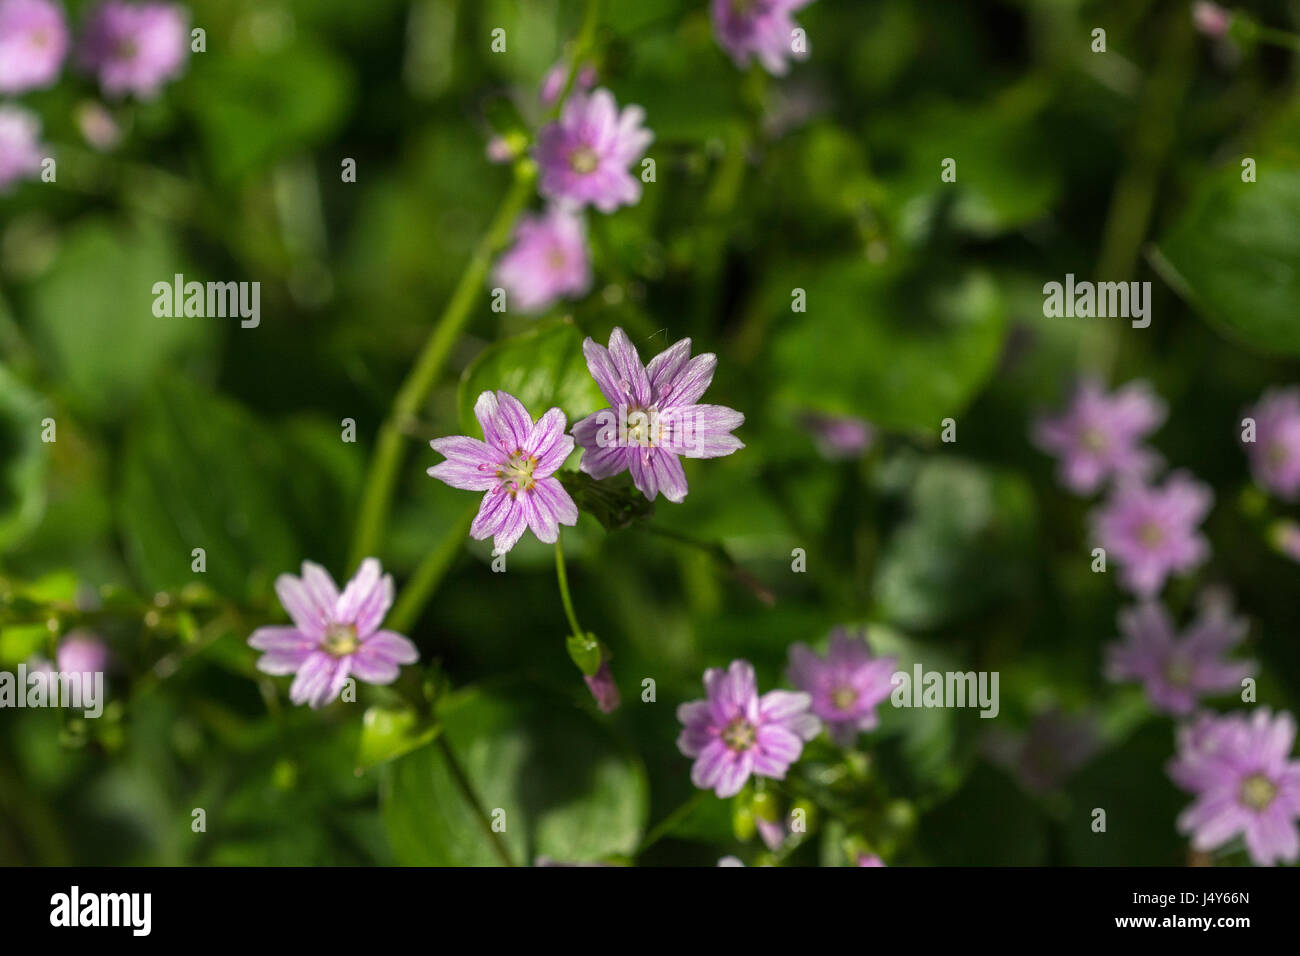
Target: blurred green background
(924,302)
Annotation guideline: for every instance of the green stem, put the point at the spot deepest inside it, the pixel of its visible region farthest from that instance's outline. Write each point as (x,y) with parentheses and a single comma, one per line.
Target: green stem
(471,797)
(723,558)
(387,458)
(429,574)
(670,821)
(563,578)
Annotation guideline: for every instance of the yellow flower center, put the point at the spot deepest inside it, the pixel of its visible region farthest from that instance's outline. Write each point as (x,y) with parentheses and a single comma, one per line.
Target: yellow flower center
(1178,671)
(1151,534)
(516,474)
(844,697)
(1257,792)
(340,640)
(740,735)
(584,160)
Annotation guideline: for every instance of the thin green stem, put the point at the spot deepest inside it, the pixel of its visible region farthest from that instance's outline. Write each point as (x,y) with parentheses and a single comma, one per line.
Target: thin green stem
(429,574)
(471,797)
(660,830)
(723,558)
(387,458)
(563,578)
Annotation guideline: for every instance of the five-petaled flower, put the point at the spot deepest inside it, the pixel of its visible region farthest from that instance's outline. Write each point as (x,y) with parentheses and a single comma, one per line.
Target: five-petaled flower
(1100,436)
(33,43)
(653,417)
(1245,783)
(734,733)
(761,29)
(845,686)
(334,636)
(1152,531)
(584,156)
(1275,452)
(514,464)
(134,48)
(1177,672)
(548,261)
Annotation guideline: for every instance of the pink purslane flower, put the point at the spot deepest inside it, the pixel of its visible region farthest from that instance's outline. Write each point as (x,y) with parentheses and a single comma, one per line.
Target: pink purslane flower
(838,437)
(603,689)
(1100,436)
(1275,452)
(135,48)
(735,733)
(869,859)
(1178,671)
(334,636)
(556,76)
(548,261)
(653,418)
(761,29)
(33,43)
(21,152)
(1245,783)
(1211,19)
(514,464)
(82,653)
(584,155)
(846,685)
(1151,531)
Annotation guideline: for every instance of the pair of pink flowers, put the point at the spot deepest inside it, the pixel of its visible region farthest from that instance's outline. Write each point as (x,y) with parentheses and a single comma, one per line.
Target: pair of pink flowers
(583,160)
(133,48)
(1150,530)
(657,407)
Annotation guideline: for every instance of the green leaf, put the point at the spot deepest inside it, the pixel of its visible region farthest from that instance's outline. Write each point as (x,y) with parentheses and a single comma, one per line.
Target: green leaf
(23,460)
(92,314)
(903,354)
(585,652)
(1005,177)
(542,368)
(200,472)
(567,789)
(253,109)
(388,733)
(1234,254)
(963,548)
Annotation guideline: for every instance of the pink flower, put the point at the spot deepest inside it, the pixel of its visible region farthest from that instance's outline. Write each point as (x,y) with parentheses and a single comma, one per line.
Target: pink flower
(1245,783)
(603,689)
(1176,671)
(82,653)
(1211,19)
(135,48)
(838,437)
(869,859)
(553,82)
(21,152)
(734,733)
(846,685)
(548,261)
(1275,452)
(1100,436)
(654,416)
(585,154)
(1151,532)
(334,636)
(514,465)
(33,43)
(762,29)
